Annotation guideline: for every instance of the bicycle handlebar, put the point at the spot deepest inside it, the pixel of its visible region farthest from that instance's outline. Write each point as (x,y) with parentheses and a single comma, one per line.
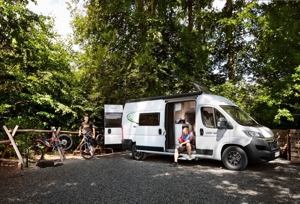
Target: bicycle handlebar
(86,134)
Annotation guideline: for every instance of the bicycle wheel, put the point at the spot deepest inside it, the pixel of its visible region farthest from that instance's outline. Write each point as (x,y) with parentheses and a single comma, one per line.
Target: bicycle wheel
(87,150)
(34,154)
(65,141)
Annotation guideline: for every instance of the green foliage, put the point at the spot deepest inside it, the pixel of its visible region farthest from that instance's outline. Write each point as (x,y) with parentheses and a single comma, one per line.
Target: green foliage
(137,57)
(134,49)
(277,43)
(138,49)
(241,93)
(35,68)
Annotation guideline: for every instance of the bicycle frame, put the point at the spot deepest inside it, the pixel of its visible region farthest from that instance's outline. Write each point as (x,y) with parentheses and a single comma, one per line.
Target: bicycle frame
(87,145)
(54,142)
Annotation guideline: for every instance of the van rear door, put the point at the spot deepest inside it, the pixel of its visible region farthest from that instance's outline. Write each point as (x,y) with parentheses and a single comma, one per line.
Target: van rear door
(113,124)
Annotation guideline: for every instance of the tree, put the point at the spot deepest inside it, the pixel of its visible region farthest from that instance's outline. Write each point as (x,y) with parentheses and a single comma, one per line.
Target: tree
(35,69)
(277,62)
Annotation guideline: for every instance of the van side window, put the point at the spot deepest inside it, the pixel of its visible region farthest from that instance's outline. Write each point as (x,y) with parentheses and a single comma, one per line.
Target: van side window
(218,115)
(149,119)
(210,117)
(207,117)
(113,120)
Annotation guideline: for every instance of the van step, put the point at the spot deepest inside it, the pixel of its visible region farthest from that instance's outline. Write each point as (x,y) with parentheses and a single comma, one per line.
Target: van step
(183,157)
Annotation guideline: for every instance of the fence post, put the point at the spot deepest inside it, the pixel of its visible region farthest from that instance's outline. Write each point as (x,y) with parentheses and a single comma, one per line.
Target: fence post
(10,136)
(59,149)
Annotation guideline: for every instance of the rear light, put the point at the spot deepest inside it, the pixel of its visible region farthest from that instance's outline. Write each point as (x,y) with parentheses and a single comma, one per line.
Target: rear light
(122,133)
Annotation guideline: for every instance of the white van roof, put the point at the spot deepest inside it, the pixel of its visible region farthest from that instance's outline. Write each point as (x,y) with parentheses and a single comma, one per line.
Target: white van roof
(207,97)
(215,99)
(192,95)
(108,108)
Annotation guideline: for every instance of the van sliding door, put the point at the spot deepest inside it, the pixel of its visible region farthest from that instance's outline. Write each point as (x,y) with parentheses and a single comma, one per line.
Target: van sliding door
(150,133)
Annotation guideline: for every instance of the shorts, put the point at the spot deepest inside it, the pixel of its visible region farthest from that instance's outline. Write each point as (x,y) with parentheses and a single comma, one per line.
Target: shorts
(183,148)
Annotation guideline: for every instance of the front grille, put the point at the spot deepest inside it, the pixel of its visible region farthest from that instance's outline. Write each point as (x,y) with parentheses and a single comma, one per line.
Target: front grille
(261,147)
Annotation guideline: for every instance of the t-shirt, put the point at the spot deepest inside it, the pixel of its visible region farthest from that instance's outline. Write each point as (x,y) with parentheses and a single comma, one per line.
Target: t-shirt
(188,137)
(87,127)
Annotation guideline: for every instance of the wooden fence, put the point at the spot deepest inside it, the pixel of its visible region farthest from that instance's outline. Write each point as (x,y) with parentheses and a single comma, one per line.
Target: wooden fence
(294,145)
(11,141)
(289,141)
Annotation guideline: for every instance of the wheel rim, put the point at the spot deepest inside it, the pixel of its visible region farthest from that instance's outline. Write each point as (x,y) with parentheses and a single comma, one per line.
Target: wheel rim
(234,158)
(64,142)
(137,154)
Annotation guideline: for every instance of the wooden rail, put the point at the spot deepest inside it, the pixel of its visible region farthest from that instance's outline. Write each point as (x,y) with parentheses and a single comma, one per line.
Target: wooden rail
(45,131)
(11,141)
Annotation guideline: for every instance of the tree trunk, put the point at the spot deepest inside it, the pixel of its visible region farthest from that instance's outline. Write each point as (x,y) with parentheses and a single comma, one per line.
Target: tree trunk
(229,42)
(190,15)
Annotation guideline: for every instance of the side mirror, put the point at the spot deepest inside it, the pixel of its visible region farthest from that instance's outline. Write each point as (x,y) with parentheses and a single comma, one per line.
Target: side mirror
(223,124)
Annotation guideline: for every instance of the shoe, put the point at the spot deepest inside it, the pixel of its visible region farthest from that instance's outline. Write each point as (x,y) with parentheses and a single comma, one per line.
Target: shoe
(189,157)
(174,164)
(57,164)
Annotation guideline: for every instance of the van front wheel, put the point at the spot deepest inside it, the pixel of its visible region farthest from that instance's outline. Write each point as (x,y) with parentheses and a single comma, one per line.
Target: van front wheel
(136,154)
(234,158)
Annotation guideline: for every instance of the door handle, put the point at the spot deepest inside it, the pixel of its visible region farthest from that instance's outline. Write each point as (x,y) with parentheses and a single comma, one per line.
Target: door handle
(159,131)
(109,131)
(201,131)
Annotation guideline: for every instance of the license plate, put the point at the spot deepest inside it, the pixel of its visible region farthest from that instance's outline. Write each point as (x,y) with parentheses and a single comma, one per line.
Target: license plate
(277,154)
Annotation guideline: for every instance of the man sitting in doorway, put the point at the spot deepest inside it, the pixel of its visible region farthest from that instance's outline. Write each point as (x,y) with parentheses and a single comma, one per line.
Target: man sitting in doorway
(186,143)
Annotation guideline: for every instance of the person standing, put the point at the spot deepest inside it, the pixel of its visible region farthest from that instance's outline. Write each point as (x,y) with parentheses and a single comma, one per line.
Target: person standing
(87,127)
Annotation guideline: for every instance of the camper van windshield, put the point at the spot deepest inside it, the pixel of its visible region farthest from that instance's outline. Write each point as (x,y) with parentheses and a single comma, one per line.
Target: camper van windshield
(240,116)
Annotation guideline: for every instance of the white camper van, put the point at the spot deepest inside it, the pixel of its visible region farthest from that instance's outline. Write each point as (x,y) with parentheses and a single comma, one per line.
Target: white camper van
(222,130)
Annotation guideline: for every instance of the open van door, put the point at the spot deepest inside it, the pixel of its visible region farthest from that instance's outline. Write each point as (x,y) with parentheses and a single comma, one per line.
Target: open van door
(113,124)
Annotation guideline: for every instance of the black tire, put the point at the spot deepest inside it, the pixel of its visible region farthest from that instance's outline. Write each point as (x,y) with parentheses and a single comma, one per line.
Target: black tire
(87,151)
(234,158)
(136,154)
(66,141)
(34,154)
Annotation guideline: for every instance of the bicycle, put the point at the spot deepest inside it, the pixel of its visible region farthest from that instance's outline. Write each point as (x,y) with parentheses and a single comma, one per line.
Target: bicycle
(35,153)
(87,150)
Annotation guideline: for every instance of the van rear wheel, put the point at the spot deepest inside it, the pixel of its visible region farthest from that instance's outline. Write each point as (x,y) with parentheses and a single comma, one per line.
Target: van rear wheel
(234,158)
(136,154)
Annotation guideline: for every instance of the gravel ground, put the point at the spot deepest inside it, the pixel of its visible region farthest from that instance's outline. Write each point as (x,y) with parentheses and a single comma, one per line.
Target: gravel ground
(116,178)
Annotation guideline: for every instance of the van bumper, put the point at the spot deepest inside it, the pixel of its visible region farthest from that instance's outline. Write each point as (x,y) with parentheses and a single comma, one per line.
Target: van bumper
(126,144)
(262,151)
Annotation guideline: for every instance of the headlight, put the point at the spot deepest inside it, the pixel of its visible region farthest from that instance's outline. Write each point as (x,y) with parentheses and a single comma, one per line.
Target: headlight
(253,134)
